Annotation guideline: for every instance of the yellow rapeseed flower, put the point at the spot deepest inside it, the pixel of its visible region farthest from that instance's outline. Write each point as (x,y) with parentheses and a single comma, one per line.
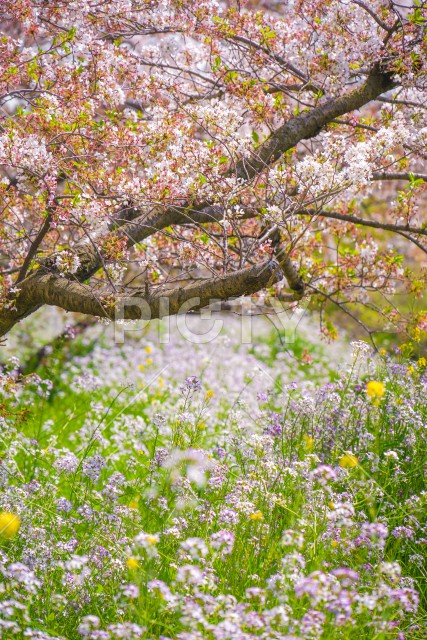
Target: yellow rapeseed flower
(422,362)
(375,389)
(308,443)
(132,563)
(256,516)
(209,394)
(9,524)
(348,461)
(417,334)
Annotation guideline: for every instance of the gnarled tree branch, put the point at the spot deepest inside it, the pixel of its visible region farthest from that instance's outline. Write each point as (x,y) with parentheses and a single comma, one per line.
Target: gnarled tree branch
(43,287)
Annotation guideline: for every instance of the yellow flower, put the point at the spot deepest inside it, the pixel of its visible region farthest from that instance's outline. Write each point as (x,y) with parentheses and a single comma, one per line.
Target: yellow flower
(375,389)
(141,367)
(209,394)
(151,539)
(417,334)
(406,349)
(410,370)
(161,382)
(148,362)
(148,349)
(383,353)
(9,524)
(133,504)
(308,443)
(348,461)
(132,563)
(422,362)
(334,544)
(256,516)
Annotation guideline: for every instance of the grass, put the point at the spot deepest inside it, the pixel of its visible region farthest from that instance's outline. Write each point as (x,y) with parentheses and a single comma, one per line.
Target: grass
(171,511)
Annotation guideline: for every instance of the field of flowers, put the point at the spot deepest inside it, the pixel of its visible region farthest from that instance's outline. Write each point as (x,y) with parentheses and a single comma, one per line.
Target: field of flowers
(172,490)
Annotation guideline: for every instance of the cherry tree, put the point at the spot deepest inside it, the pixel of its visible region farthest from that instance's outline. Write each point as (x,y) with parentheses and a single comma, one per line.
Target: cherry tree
(174,151)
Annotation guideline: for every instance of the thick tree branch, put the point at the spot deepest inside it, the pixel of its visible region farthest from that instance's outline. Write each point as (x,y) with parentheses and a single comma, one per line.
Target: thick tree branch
(309,124)
(384,175)
(375,224)
(43,287)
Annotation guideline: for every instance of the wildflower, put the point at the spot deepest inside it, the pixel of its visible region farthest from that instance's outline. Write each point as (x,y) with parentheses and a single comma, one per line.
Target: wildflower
(9,524)
(403,533)
(291,538)
(148,349)
(130,591)
(195,547)
(374,530)
(359,347)
(257,515)
(161,590)
(189,574)
(417,334)
(228,515)
(209,394)
(256,593)
(148,542)
(132,563)
(222,541)
(345,575)
(192,384)
(324,473)
(422,362)
(348,461)
(375,390)
(391,455)
(92,467)
(391,570)
(64,505)
(342,513)
(308,443)
(88,624)
(67,463)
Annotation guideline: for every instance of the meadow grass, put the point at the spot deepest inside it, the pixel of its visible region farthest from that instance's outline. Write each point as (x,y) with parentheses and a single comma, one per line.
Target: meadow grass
(163,508)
